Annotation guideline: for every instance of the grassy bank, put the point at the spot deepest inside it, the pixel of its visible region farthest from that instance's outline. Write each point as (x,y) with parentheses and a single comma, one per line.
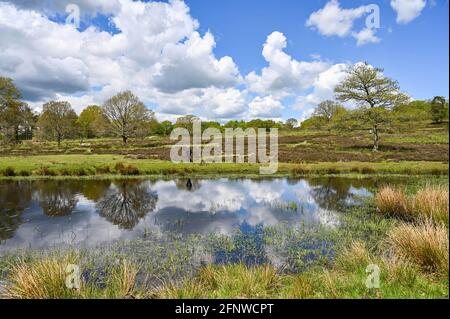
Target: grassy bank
(108,165)
(411,250)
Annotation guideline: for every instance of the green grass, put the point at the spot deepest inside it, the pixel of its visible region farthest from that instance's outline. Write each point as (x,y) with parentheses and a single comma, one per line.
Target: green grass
(91,165)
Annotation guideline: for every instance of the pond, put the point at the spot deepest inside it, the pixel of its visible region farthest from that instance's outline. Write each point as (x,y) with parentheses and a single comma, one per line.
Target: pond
(82,213)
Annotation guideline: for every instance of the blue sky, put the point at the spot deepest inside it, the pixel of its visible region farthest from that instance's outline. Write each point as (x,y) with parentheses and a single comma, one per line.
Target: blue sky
(206,57)
(415,54)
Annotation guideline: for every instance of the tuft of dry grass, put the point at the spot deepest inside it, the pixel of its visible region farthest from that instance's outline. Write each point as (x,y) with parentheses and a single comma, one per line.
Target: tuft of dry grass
(231,281)
(392,201)
(40,279)
(429,202)
(425,244)
(432,202)
(45,278)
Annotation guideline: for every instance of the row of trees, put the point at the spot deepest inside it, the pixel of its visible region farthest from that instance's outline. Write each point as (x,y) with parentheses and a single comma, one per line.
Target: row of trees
(123,115)
(378,105)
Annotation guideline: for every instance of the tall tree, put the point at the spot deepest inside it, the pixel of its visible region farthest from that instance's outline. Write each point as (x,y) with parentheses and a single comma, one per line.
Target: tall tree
(372,92)
(291,123)
(327,109)
(58,121)
(92,122)
(439,109)
(15,116)
(127,115)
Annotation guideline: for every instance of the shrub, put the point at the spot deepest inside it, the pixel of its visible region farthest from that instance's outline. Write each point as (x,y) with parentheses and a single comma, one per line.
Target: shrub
(299,170)
(45,171)
(24,173)
(332,171)
(119,167)
(367,170)
(65,172)
(130,170)
(9,171)
(424,244)
(102,170)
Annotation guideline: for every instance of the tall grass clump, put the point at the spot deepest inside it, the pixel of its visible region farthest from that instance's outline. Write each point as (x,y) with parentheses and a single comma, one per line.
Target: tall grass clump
(429,202)
(40,279)
(231,281)
(45,278)
(424,244)
(392,201)
(432,202)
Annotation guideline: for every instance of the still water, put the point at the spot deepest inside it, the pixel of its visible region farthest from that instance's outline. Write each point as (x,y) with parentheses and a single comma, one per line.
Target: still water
(83,213)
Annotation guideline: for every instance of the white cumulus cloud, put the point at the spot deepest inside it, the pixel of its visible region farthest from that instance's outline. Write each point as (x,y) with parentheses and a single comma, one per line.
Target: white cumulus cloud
(407,10)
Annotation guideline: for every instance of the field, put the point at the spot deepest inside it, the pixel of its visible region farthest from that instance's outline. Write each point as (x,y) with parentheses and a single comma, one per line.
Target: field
(404,232)
(425,151)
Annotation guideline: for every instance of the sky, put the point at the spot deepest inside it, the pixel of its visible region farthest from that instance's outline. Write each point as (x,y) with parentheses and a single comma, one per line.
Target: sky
(220,60)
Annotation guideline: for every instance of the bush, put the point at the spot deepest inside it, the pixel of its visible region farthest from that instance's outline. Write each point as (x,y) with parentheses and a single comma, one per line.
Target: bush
(424,244)
(24,173)
(130,170)
(102,170)
(299,170)
(9,171)
(367,170)
(119,167)
(45,171)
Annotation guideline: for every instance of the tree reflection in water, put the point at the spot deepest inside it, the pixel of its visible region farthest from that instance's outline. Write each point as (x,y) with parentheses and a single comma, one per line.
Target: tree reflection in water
(334,193)
(15,197)
(57,198)
(126,203)
(189,185)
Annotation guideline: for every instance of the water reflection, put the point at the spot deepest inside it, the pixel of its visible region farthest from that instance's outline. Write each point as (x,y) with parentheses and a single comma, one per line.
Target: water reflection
(126,203)
(87,212)
(57,198)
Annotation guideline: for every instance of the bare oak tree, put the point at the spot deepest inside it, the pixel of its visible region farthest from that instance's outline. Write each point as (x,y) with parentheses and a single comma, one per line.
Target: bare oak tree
(372,92)
(127,115)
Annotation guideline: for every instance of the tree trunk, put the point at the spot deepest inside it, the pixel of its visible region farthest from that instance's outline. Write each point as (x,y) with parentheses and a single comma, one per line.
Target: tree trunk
(375,138)
(59,140)
(124,138)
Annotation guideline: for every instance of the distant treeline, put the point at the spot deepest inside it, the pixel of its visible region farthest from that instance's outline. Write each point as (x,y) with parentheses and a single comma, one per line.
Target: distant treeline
(377,105)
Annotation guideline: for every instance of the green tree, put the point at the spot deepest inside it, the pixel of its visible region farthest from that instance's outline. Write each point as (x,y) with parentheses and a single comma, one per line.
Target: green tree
(327,109)
(58,121)
(163,129)
(373,93)
(16,118)
(127,115)
(291,123)
(92,122)
(439,109)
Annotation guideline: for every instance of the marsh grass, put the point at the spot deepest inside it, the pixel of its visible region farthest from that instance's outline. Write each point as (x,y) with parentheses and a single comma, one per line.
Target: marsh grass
(392,201)
(431,201)
(45,278)
(231,281)
(346,279)
(425,244)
